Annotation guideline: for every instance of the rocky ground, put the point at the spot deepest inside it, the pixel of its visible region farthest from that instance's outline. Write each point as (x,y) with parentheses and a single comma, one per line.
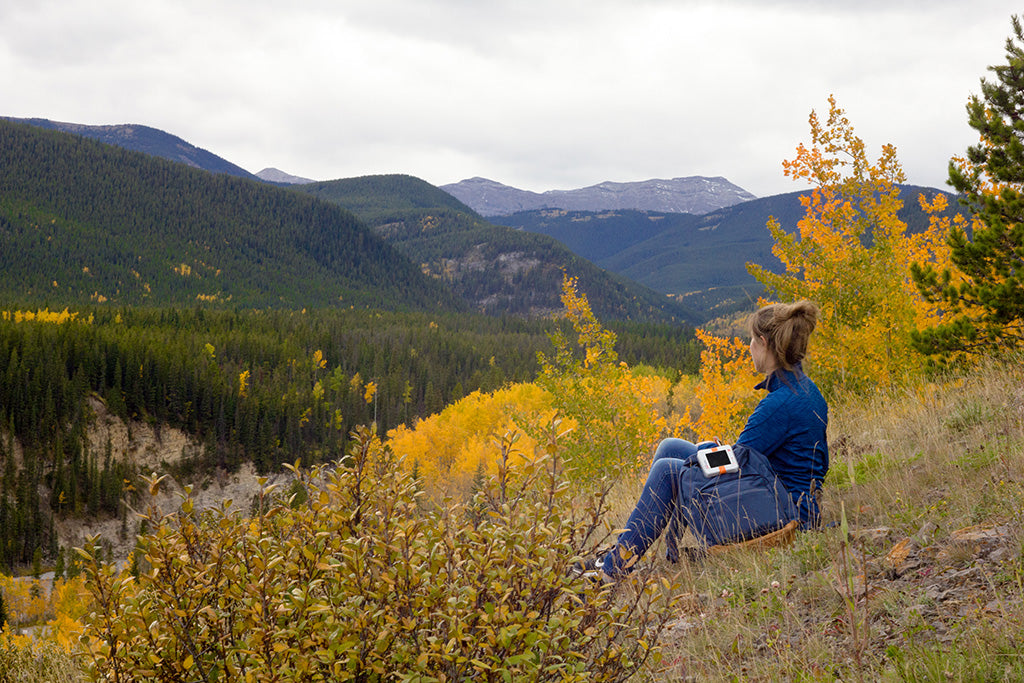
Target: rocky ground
(154,452)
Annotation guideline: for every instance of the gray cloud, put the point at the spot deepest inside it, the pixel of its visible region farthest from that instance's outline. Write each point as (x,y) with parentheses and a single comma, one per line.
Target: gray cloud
(541,95)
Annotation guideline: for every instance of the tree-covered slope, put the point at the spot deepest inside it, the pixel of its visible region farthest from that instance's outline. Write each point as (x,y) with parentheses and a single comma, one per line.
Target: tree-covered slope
(701,259)
(247,386)
(81,221)
(149,140)
(371,197)
(496,268)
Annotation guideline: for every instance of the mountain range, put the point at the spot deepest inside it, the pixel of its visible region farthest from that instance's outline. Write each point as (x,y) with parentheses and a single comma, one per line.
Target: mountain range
(698,259)
(694,194)
(497,268)
(685,261)
(84,221)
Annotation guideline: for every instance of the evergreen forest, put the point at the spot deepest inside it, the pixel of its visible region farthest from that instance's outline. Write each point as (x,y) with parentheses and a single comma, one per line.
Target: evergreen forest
(83,222)
(267,387)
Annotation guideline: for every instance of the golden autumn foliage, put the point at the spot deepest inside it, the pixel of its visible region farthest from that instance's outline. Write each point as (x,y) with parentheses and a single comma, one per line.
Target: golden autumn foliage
(44,315)
(619,412)
(56,608)
(358,581)
(613,415)
(370,392)
(449,448)
(723,395)
(851,254)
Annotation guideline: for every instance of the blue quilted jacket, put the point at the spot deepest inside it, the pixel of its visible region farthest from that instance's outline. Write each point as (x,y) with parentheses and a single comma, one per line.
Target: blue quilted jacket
(788,427)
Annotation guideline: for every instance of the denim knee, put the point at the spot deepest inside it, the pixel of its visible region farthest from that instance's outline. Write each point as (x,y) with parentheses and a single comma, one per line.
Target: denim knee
(679,448)
(674,448)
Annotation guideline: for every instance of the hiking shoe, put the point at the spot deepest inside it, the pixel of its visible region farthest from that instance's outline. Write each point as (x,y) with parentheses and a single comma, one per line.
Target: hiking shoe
(592,569)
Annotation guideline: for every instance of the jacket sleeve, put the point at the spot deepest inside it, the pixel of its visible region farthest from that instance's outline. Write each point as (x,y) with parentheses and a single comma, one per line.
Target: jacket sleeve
(767,426)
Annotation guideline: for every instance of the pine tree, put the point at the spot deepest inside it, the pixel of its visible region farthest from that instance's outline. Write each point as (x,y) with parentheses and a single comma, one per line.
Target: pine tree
(59,568)
(985,295)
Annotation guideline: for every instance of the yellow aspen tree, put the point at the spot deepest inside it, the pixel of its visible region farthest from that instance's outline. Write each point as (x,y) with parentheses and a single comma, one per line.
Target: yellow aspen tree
(619,413)
(370,392)
(243,383)
(724,394)
(450,446)
(851,254)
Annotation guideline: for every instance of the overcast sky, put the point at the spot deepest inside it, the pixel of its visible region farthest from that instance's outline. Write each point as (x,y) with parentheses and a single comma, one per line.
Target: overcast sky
(539,94)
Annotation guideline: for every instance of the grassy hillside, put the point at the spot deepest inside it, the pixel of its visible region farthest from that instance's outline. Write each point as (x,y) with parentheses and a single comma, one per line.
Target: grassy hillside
(927,584)
(81,221)
(496,268)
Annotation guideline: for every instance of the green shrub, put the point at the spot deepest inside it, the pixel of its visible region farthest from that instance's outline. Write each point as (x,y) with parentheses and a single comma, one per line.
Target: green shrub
(366,582)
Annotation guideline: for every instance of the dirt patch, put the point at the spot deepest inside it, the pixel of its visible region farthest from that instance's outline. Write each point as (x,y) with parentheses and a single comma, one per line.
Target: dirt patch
(149,448)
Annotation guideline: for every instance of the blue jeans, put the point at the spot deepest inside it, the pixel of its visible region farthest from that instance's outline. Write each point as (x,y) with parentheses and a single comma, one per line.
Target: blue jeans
(656,508)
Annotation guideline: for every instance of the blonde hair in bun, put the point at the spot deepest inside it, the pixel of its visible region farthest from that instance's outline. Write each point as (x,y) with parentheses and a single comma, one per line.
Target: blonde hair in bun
(786,329)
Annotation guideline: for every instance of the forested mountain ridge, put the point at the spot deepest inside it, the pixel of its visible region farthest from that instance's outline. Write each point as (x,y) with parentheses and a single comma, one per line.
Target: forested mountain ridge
(700,259)
(375,197)
(135,229)
(495,268)
(148,140)
(82,221)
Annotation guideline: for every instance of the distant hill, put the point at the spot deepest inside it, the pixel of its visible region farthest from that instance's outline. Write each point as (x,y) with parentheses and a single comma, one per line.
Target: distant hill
(496,268)
(147,140)
(700,259)
(273,175)
(375,197)
(84,221)
(695,194)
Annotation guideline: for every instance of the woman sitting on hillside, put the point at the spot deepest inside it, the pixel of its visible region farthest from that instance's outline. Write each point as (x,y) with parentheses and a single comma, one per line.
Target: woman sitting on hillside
(782,454)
